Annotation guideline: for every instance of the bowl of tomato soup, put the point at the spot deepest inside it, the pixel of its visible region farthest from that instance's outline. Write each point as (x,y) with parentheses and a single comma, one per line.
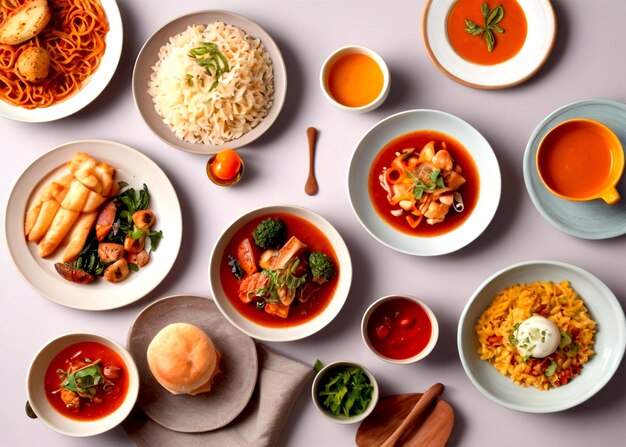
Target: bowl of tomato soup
(400,329)
(280,273)
(82,384)
(581,159)
(355,78)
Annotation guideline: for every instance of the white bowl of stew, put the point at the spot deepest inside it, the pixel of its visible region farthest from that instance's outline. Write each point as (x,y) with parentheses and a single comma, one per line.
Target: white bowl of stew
(82,384)
(400,329)
(313,305)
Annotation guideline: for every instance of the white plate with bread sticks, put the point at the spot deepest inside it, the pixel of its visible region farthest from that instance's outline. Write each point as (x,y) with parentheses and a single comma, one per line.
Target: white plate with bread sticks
(76,225)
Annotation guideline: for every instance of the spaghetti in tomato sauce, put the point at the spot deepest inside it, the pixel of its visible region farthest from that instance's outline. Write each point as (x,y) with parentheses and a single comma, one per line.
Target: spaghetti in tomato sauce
(75,41)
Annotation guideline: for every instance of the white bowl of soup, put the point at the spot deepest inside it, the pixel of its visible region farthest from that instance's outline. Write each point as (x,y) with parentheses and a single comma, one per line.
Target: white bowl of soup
(82,384)
(280,273)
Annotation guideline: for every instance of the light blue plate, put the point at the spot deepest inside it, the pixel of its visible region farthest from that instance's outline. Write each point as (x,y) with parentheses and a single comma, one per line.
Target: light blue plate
(610,340)
(587,220)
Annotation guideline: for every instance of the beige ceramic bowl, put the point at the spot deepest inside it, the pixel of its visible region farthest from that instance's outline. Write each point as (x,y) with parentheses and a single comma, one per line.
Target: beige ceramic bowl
(358,49)
(56,421)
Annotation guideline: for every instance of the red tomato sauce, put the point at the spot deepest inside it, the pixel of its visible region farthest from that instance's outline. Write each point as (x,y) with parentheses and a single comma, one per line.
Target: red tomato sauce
(89,410)
(300,312)
(399,329)
(418,139)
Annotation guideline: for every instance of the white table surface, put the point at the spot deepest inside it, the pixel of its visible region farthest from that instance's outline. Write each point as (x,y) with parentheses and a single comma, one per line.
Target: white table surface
(588,61)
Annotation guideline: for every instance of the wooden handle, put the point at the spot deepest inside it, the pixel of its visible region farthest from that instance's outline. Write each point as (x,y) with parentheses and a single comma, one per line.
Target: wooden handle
(425,401)
(311,187)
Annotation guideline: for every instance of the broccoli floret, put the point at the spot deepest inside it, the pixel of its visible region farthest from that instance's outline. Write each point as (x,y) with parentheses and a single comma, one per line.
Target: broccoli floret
(270,233)
(322,267)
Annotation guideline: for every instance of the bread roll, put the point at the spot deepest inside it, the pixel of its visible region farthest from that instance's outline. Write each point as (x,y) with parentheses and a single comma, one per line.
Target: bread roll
(183,359)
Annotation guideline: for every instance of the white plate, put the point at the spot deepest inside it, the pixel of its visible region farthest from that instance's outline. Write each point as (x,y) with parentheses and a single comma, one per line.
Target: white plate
(409,121)
(610,339)
(540,39)
(276,333)
(92,88)
(132,167)
(148,57)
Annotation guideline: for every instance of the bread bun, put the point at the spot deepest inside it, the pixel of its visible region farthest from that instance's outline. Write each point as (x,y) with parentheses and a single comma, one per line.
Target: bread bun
(183,359)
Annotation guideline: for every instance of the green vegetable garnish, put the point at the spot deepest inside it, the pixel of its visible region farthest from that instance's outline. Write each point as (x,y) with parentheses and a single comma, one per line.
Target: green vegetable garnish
(322,267)
(83,382)
(279,278)
(419,187)
(491,19)
(270,233)
(318,366)
(346,391)
(550,370)
(235,267)
(209,57)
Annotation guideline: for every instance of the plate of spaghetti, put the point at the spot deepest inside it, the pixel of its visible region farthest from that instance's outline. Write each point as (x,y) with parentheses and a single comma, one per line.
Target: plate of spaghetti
(541,336)
(62,61)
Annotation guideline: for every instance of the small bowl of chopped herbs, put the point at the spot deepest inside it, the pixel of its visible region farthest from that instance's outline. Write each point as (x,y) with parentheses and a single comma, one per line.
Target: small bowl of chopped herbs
(344,392)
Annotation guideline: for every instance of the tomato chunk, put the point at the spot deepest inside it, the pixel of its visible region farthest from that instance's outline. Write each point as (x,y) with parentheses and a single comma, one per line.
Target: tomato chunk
(247,257)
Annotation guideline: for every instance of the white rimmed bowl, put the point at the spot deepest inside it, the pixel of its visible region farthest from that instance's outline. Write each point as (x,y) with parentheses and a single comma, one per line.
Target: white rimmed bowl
(434,335)
(352,49)
(409,121)
(91,88)
(610,340)
(541,22)
(290,333)
(342,419)
(48,415)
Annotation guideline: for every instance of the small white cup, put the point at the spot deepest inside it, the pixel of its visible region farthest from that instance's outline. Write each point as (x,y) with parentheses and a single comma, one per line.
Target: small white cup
(434,335)
(351,49)
(341,419)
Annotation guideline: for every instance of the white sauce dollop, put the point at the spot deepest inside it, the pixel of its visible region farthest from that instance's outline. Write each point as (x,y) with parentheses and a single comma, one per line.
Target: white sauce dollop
(537,336)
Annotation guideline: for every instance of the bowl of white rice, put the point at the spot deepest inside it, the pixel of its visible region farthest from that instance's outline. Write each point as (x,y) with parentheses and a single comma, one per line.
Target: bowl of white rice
(203,105)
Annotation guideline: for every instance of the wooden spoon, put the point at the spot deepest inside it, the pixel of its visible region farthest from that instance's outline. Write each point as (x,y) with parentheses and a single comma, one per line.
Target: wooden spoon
(408,420)
(311,187)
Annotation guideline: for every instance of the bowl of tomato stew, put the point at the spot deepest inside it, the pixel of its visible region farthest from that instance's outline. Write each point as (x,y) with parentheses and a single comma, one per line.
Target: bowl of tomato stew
(280,273)
(399,329)
(82,384)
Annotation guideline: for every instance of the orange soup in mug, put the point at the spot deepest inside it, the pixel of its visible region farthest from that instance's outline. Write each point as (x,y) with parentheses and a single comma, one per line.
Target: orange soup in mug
(581,159)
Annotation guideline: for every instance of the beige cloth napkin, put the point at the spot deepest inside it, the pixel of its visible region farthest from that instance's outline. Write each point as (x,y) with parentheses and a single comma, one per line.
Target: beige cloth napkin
(260,423)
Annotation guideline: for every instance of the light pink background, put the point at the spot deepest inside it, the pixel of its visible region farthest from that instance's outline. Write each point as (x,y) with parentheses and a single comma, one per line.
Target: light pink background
(587,61)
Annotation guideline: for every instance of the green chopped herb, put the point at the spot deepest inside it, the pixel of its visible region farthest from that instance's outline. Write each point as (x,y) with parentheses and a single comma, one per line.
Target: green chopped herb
(317,367)
(550,370)
(491,20)
(208,56)
(346,391)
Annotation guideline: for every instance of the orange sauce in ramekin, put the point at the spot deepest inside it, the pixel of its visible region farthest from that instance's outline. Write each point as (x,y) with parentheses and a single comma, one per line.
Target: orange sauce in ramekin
(355,80)
(474,48)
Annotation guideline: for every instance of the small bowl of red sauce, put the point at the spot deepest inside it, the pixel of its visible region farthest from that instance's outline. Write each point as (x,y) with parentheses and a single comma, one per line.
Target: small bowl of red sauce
(82,384)
(399,329)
